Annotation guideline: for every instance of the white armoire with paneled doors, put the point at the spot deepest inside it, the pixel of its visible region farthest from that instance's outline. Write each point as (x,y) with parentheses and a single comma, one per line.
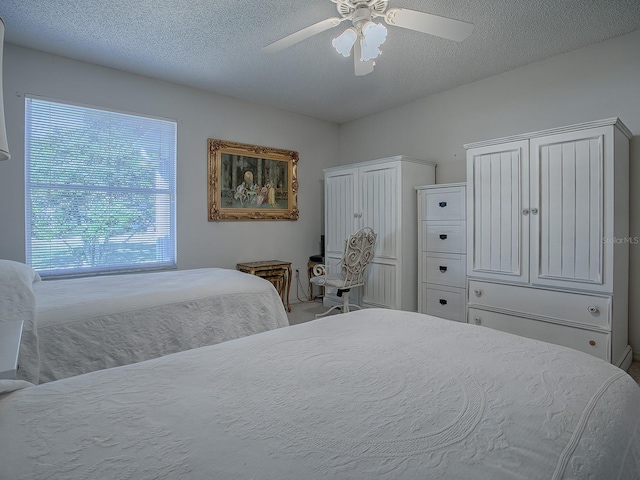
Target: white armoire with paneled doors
(379,194)
(548,236)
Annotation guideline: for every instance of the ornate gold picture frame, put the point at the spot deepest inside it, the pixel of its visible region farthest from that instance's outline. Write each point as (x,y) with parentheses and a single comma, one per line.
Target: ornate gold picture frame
(249,182)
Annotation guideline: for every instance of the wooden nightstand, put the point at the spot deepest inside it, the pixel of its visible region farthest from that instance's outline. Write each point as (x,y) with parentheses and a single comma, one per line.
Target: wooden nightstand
(276,271)
(10,337)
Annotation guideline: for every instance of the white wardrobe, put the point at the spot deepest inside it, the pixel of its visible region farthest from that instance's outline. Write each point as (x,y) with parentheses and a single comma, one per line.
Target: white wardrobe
(379,194)
(548,236)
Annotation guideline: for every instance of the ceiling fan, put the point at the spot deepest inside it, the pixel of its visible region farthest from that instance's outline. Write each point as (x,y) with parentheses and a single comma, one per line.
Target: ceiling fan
(365,36)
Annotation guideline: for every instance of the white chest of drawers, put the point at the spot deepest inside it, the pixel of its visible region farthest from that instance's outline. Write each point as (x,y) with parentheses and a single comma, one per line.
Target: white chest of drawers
(441,251)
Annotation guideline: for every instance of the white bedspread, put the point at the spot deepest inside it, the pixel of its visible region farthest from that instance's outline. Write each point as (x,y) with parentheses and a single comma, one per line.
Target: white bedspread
(18,303)
(373,394)
(87,324)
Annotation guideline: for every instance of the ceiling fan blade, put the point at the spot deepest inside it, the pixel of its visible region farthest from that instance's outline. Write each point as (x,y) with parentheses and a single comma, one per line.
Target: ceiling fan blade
(302,34)
(444,27)
(361,68)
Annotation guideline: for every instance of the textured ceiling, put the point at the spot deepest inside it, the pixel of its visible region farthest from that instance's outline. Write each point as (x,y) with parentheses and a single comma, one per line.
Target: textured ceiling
(216,45)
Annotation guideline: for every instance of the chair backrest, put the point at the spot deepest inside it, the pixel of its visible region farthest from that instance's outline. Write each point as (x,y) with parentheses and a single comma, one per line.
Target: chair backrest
(359,251)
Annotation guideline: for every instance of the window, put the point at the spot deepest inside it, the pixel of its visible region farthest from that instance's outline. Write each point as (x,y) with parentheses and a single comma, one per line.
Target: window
(100,190)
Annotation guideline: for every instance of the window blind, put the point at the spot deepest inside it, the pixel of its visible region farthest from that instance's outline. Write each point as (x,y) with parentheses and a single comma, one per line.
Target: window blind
(100,190)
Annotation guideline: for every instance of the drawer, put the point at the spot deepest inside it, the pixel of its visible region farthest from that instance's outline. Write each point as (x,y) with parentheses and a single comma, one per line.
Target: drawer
(443,302)
(595,343)
(444,237)
(444,269)
(591,310)
(444,204)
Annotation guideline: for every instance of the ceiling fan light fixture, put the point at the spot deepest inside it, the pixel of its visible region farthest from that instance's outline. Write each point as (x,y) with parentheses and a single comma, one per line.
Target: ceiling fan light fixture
(365,37)
(373,36)
(344,42)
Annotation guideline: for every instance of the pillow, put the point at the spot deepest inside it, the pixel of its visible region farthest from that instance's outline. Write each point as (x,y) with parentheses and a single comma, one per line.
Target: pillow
(16,270)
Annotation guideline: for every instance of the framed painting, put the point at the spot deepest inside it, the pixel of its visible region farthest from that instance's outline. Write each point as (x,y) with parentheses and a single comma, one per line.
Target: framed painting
(249,182)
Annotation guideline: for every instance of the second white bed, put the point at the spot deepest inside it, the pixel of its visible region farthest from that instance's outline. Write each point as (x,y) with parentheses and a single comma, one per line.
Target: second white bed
(88,324)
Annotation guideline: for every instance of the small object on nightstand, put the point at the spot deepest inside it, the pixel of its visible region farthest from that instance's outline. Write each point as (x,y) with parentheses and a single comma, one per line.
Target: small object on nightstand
(10,337)
(276,271)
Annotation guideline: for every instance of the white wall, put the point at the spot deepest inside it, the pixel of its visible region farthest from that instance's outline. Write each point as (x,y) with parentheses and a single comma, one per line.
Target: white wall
(200,115)
(599,81)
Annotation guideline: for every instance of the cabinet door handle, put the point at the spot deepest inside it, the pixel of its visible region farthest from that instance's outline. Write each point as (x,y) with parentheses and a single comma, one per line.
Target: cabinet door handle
(443,268)
(443,204)
(534,211)
(443,301)
(478,292)
(443,236)
(525,211)
(477,321)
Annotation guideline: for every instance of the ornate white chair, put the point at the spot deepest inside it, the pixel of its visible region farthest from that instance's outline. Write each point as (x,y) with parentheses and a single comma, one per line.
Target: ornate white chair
(349,273)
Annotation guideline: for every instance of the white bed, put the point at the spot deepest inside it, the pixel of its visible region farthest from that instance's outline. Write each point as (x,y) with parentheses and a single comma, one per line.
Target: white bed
(373,394)
(87,324)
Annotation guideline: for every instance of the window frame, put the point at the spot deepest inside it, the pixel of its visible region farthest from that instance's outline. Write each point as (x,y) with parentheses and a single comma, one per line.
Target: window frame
(168,167)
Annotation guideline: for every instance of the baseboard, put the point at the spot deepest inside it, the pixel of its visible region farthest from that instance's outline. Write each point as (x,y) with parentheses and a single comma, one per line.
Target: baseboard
(636,356)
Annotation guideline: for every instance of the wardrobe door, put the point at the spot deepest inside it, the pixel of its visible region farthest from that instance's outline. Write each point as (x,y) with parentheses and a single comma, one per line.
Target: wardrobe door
(498,212)
(340,220)
(380,194)
(568,210)
(341,204)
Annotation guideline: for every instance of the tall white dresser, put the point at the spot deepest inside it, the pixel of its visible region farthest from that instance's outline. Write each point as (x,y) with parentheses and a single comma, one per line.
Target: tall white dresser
(548,236)
(442,250)
(379,194)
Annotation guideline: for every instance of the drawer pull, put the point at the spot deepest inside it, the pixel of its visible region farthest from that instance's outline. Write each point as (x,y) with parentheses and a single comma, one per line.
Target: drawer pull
(477,321)
(478,292)
(443,236)
(592,343)
(593,310)
(443,204)
(443,301)
(443,268)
